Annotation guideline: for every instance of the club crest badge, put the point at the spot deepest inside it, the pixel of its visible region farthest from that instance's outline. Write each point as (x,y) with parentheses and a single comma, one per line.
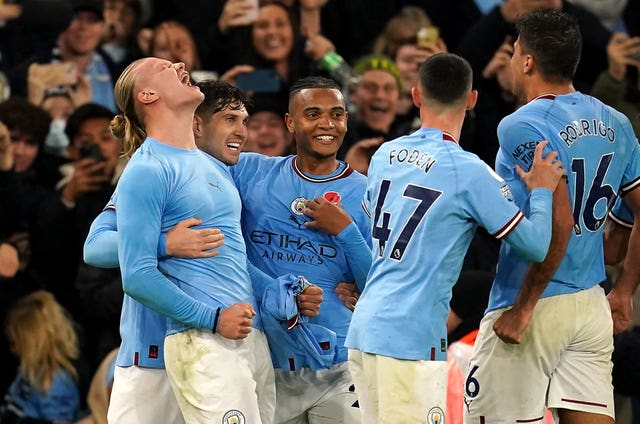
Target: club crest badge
(298,205)
(435,416)
(233,417)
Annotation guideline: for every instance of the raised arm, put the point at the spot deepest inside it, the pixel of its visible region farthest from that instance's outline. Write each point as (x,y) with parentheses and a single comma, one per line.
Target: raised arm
(334,220)
(532,236)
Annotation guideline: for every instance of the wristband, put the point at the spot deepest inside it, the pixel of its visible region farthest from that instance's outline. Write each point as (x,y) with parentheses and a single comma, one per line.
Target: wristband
(215,321)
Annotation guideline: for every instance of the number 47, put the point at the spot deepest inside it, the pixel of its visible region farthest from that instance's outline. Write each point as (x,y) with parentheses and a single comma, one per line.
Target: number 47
(382,233)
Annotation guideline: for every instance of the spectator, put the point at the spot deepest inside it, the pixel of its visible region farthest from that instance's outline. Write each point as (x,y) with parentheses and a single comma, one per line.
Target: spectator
(609,12)
(123,21)
(29,173)
(619,85)
(267,132)
(484,38)
(86,72)
(27,177)
(30,28)
(401,29)
(60,106)
(375,99)
(275,44)
(350,23)
(85,187)
(43,337)
(399,40)
(173,41)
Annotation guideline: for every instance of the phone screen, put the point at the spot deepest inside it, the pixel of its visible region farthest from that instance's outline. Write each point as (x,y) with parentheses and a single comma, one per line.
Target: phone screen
(259,81)
(428,35)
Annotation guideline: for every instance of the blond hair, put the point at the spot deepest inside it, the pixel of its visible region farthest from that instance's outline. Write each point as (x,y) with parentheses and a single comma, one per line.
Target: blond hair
(44,338)
(128,126)
(401,29)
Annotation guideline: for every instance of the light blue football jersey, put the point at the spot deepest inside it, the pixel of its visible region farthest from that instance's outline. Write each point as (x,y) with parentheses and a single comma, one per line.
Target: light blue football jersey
(598,149)
(273,191)
(161,186)
(426,196)
(142,330)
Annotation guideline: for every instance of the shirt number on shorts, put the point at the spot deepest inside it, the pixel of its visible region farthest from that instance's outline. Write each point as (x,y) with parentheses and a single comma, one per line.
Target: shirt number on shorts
(381,232)
(472,386)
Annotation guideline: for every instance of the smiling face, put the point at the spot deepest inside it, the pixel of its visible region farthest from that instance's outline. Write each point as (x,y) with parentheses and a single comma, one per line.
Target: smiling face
(376,97)
(224,134)
(272,33)
(83,35)
(267,134)
(317,119)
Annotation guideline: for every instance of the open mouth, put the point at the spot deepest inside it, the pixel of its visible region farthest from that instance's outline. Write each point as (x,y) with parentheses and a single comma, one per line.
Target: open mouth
(235,146)
(325,139)
(274,43)
(186,79)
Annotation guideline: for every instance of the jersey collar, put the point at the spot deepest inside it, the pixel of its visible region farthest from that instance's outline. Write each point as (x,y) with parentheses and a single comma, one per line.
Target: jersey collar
(545,97)
(311,178)
(448,137)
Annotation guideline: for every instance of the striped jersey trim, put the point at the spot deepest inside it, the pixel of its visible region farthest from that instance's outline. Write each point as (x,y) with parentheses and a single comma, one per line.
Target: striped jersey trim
(545,97)
(628,187)
(345,173)
(615,218)
(509,226)
(583,402)
(364,207)
(531,420)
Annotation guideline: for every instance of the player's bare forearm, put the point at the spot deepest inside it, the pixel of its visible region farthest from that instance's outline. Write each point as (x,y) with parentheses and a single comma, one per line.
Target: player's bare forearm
(630,275)
(512,324)
(620,297)
(616,240)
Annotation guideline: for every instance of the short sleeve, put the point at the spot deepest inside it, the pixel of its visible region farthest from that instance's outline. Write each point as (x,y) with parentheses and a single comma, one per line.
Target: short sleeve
(488,199)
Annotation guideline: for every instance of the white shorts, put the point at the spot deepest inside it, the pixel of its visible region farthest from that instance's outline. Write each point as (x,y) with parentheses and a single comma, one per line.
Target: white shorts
(218,380)
(563,362)
(395,390)
(142,396)
(316,397)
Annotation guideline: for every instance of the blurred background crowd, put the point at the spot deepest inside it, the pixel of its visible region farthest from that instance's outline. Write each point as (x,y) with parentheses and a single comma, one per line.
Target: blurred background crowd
(59,163)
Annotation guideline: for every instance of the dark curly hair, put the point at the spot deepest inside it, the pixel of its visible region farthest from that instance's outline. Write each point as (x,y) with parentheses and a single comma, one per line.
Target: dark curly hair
(18,114)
